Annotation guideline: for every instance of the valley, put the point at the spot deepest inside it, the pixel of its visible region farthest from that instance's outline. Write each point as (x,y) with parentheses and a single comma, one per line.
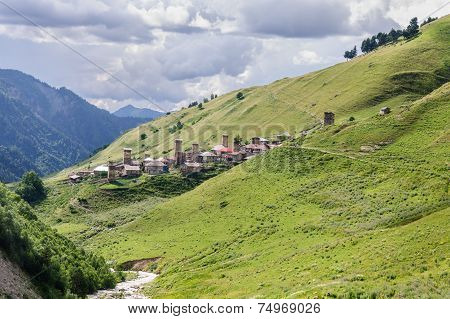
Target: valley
(357,209)
(333,184)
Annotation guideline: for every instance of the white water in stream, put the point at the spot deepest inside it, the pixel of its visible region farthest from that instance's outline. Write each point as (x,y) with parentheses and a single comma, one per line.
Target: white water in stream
(128,289)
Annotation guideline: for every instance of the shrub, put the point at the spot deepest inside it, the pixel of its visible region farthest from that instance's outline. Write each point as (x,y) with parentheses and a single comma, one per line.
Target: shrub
(31,188)
(240,96)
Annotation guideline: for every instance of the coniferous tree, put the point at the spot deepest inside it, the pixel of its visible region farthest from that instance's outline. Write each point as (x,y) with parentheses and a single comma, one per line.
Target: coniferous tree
(382,38)
(412,29)
(347,55)
(373,43)
(393,35)
(354,52)
(351,54)
(365,46)
(430,19)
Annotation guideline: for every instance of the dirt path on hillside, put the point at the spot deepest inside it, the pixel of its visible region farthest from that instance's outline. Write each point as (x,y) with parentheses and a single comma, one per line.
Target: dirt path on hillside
(128,289)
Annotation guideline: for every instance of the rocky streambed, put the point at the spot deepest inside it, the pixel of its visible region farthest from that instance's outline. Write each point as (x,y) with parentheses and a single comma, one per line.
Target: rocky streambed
(129,289)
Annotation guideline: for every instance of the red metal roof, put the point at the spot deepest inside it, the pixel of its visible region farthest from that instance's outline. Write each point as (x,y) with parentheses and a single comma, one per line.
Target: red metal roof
(225,150)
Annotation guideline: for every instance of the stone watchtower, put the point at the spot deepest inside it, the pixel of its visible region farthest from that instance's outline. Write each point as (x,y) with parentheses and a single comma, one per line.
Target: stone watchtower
(328,118)
(179,155)
(127,156)
(195,152)
(111,171)
(195,148)
(225,140)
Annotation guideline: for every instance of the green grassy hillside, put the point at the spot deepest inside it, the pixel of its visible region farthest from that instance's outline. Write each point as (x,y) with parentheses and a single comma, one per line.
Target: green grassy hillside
(359,209)
(81,211)
(302,221)
(390,76)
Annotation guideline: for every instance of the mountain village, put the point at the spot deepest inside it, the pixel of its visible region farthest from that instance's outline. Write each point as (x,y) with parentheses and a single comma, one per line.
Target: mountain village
(188,162)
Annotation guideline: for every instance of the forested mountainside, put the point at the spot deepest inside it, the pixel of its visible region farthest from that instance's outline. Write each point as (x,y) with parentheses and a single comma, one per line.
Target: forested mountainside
(356,209)
(48,264)
(46,129)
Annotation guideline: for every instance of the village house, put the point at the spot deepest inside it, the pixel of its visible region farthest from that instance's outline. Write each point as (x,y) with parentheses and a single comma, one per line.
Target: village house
(131,171)
(101,170)
(155,167)
(189,168)
(85,173)
(256,147)
(237,156)
(74,178)
(208,157)
(223,148)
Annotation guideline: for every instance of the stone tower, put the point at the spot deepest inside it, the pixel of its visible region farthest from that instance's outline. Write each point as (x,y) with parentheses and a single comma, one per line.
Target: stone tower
(195,152)
(111,171)
(328,118)
(179,155)
(225,140)
(127,156)
(195,148)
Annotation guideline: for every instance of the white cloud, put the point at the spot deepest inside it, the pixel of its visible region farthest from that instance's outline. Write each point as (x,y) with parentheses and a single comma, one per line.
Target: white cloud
(307,57)
(174,51)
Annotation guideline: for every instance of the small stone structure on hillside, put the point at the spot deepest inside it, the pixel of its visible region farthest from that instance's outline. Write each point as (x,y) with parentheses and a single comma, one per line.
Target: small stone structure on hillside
(385,110)
(328,118)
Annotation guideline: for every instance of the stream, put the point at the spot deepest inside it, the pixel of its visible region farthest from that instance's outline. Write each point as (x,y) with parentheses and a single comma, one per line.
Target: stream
(127,289)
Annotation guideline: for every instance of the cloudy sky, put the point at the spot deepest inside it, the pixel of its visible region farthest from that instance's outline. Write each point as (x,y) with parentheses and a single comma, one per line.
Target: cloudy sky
(175,51)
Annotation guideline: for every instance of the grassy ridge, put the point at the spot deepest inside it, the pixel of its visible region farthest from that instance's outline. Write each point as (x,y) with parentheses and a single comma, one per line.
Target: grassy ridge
(393,75)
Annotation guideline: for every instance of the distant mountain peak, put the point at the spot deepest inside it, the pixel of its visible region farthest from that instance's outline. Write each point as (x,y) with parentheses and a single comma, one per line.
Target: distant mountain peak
(132,111)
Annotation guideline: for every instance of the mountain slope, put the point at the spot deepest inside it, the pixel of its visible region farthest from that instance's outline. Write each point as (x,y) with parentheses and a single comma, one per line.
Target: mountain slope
(131,111)
(390,76)
(359,209)
(300,222)
(47,129)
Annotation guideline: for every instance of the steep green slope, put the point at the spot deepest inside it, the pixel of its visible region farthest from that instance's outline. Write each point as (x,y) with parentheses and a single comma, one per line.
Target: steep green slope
(356,209)
(390,76)
(83,210)
(56,266)
(301,222)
